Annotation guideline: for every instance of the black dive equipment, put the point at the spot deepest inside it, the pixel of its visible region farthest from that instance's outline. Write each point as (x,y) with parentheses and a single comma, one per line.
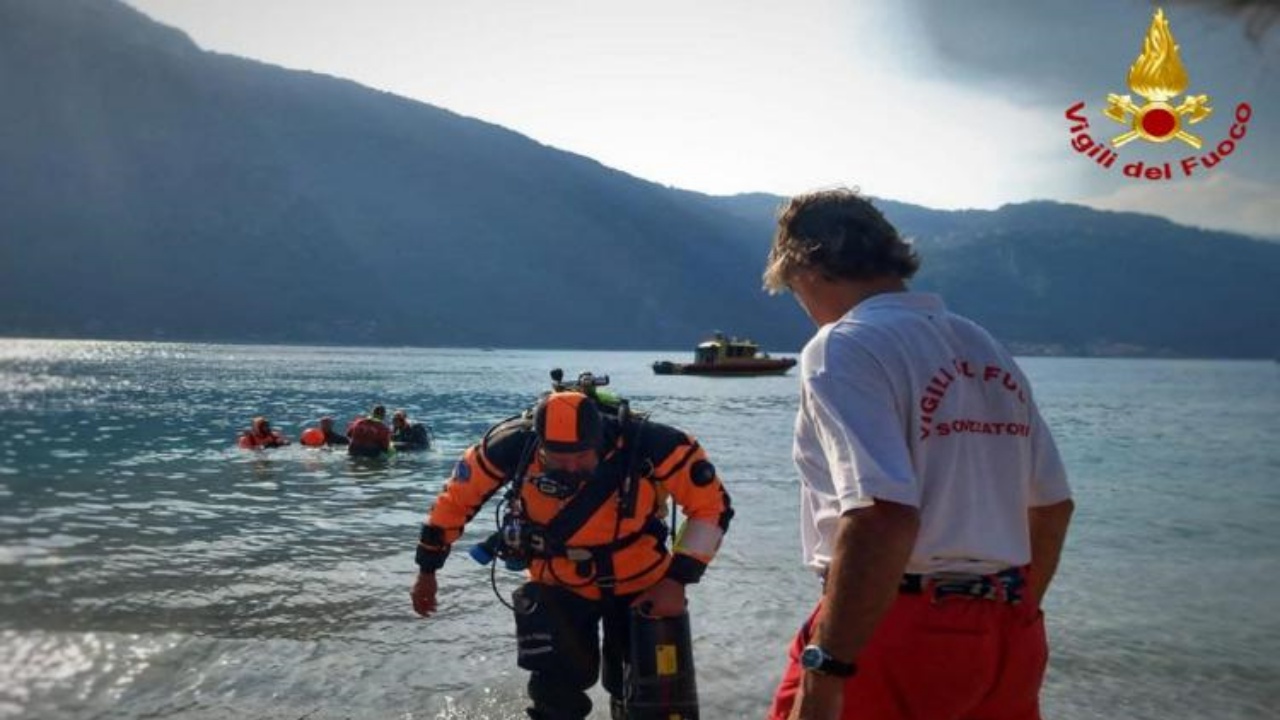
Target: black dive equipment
(661,683)
(515,537)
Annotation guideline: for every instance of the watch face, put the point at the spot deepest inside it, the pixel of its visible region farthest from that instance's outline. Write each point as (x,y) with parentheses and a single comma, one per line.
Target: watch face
(811,657)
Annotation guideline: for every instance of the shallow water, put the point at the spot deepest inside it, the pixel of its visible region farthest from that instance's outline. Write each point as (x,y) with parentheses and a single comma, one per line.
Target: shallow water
(150,569)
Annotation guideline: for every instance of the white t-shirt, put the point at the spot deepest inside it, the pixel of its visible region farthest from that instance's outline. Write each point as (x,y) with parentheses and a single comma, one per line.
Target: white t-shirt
(904,401)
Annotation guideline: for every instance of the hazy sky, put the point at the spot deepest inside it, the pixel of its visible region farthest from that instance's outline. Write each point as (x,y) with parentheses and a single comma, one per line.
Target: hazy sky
(944,104)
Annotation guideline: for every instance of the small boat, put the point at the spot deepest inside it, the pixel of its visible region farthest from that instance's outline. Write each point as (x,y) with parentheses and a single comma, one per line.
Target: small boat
(723,355)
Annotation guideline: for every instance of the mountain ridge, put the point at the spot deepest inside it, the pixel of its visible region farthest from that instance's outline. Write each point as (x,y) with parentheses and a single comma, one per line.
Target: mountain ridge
(154,189)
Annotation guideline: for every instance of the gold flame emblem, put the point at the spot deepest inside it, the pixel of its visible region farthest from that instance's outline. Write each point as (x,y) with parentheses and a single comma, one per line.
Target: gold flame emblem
(1158,76)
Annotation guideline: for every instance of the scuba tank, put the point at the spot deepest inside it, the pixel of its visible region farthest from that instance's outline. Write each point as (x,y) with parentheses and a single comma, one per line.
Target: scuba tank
(661,684)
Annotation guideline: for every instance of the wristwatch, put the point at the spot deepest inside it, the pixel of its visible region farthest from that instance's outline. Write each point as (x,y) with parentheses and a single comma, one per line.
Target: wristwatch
(818,660)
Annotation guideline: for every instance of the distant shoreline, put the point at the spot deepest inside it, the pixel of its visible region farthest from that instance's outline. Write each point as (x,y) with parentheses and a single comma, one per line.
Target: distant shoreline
(1095,351)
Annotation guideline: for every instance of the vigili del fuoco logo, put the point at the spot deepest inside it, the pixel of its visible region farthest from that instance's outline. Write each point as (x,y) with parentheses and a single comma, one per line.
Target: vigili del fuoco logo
(1158,78)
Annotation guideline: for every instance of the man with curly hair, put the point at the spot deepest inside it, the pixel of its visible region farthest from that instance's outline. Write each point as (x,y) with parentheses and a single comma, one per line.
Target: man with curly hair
(934,502)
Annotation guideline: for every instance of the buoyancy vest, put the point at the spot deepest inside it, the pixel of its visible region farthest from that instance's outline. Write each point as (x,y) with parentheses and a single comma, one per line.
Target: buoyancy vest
(317,437)
(253,440)
(368,436)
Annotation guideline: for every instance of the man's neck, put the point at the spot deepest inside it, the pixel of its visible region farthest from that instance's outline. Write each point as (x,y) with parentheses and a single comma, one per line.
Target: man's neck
(842,296)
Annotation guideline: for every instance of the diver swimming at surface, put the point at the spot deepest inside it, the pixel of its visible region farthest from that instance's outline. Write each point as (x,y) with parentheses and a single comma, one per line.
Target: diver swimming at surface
(261,435)
(323,436)
(408,436)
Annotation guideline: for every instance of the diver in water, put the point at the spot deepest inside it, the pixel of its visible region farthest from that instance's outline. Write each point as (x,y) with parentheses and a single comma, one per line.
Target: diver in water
(323,436)
(261,435)
(369,436)
(407,436)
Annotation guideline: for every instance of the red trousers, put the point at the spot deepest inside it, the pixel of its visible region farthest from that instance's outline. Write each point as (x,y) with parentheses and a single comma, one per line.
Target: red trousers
(949,659)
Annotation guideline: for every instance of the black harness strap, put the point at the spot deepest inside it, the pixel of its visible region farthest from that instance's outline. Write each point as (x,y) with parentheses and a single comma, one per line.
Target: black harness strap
(526,457)
(575,514)
(631,482)
(693,447)
(587,502)
(596,561)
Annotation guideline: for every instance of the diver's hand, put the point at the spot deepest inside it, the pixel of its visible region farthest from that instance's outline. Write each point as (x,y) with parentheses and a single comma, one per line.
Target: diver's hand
(666,599)
(423,594)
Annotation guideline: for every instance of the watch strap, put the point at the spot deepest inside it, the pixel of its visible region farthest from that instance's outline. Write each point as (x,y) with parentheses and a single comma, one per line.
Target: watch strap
(828,665)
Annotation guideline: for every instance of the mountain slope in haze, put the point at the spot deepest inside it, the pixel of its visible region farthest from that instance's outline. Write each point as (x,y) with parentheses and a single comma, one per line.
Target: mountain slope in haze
(151,189)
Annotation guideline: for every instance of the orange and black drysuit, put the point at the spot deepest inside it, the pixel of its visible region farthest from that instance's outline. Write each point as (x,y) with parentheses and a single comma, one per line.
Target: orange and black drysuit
(591,553)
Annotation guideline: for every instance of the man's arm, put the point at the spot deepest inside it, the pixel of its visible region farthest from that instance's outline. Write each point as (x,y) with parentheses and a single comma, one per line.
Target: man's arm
(873,545)
(1048,533)
(682,465)
(483,469)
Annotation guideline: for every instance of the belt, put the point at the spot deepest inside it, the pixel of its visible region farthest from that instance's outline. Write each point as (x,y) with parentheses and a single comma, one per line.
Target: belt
(1005,586)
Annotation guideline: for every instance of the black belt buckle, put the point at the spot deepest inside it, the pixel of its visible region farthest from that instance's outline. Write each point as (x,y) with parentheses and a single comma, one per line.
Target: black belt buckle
(1012,582)
(910,584)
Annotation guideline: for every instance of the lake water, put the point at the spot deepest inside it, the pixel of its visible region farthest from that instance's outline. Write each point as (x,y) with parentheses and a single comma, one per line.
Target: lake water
(148,569)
